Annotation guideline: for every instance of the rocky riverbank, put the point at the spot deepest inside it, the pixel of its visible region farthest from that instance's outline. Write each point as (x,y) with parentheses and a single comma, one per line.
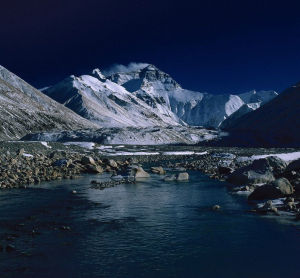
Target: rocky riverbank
(19,168)
(272,183)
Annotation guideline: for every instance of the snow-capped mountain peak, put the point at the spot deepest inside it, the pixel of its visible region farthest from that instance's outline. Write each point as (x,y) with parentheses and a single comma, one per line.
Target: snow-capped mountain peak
(143,95)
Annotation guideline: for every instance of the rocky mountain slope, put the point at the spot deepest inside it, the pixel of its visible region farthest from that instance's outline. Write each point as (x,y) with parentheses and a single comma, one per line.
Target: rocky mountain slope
(24,109)
(277,123)
(146,97)
(108,104)
(244,109)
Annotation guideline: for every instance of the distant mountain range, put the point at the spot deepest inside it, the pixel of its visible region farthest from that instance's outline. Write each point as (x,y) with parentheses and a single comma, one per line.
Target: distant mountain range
(144,98)
(147,97)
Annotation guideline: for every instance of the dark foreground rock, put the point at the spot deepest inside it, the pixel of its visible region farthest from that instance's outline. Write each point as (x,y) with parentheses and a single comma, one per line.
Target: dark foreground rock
(259,171)
(278,189)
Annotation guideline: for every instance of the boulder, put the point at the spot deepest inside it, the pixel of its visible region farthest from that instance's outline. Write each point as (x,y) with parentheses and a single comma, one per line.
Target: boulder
(158,170)
(267,191)
(284,186)
(277,164)
(244,176)
(85,160)
(293,166)
(182,176)
(94,169)
(216,207)
(223,170)
(112,163)
(277,189)
(139,172)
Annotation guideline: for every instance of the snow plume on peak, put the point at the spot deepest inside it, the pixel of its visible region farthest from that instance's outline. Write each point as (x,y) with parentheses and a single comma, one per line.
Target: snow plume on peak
(98,74)
(117,68)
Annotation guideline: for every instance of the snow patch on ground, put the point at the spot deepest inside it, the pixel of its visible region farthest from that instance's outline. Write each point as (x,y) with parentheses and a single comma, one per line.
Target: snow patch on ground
(179,153)
(131,153)
(104,147)
(86,145)
(27,155)
(201,153)
(284,156)
(46,144)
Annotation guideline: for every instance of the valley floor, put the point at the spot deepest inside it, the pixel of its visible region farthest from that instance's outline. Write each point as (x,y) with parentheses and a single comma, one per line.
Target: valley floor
(24,163)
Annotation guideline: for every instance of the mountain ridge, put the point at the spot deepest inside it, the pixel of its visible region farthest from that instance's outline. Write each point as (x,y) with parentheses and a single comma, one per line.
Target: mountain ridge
(24,109)
(276,123)
(149,96)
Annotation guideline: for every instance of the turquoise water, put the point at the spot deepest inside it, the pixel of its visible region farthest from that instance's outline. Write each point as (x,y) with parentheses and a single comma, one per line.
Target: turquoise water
(150,229)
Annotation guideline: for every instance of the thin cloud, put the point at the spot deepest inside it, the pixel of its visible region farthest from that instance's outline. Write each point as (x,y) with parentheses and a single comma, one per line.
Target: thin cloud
(122,68)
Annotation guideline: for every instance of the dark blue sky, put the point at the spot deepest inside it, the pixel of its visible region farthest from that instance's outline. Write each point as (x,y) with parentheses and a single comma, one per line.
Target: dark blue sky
(214,46)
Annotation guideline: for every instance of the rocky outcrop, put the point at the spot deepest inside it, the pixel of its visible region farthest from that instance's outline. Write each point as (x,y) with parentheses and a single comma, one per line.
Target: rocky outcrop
(277,189)
(258,172)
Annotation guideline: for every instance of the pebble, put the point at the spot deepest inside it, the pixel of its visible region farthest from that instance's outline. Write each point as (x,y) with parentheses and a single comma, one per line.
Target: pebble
(216,207)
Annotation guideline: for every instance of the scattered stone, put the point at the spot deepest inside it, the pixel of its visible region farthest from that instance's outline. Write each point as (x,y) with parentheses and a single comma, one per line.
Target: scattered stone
(20,151)
(216,207)
(139,172)
(112,163)
(107,184)
(65,228)
(158,170)
(183,176)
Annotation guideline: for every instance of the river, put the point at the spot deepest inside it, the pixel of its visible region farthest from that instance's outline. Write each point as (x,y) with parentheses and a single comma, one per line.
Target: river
(149,229)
